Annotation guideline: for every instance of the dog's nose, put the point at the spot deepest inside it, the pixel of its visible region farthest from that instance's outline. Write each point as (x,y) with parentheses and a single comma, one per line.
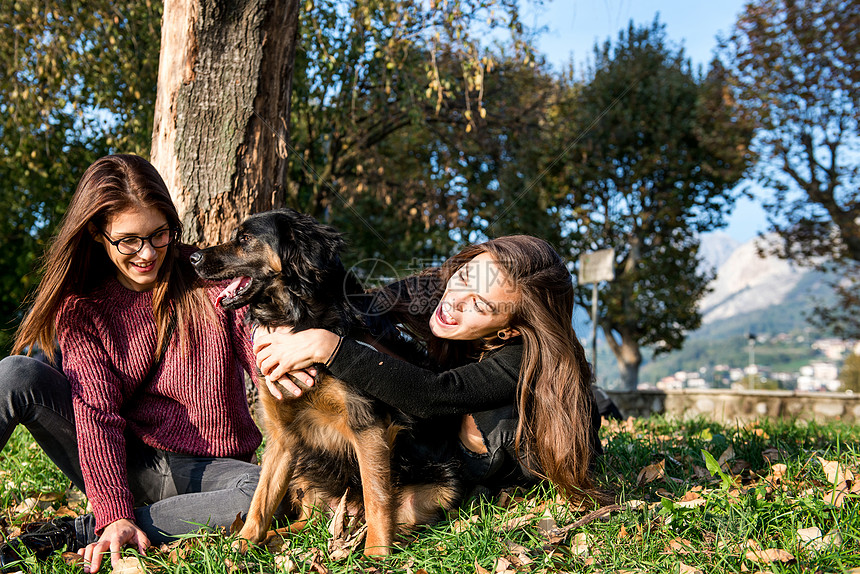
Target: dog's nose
(195,258)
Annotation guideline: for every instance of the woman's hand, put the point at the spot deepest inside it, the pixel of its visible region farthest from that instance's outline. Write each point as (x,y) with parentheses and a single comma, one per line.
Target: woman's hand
(114,536)
(282,352)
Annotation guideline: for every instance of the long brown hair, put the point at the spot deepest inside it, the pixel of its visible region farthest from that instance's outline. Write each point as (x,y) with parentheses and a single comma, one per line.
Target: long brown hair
(554,390)
(77,264)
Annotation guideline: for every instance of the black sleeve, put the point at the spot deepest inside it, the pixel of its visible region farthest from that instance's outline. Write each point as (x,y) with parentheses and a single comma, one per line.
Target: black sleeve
(478,386)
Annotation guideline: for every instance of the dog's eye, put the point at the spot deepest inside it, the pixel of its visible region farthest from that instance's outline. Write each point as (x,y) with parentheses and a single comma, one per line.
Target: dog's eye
(244,238)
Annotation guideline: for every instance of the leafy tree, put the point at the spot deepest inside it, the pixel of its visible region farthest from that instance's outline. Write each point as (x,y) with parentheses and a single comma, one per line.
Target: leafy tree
(794,65)
(392,127)
(76,81)
(652,152)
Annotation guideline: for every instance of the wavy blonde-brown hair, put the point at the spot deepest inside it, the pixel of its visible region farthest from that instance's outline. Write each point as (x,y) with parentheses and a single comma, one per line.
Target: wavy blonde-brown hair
(554,390)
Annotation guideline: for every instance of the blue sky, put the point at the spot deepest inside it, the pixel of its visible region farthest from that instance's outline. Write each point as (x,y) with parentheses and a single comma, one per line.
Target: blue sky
(571,28)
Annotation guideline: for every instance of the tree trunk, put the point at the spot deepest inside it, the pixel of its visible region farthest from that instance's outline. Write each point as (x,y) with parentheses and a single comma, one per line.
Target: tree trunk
(628,356)
(222,110)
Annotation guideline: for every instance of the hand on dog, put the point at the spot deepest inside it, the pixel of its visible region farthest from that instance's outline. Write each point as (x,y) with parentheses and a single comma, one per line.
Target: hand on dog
(281,352)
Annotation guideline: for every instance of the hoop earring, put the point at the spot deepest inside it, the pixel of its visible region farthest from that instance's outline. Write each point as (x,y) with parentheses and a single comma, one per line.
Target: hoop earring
(503,335)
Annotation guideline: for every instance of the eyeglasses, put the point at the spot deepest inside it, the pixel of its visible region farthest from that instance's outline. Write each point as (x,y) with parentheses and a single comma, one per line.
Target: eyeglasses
(132,244)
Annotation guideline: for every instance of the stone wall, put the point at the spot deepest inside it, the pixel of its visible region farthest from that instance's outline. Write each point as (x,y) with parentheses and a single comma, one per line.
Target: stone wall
(729,406)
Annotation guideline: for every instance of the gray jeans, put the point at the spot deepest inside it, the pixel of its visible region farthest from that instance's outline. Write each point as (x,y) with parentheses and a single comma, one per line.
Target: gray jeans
(174,493)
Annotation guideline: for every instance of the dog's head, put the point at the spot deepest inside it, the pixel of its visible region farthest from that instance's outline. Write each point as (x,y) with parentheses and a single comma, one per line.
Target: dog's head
(278,258)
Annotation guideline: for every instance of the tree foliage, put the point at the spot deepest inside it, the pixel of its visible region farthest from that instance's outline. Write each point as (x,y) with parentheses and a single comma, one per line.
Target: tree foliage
(77,80)
(655,153)
(388,101)
(796,70)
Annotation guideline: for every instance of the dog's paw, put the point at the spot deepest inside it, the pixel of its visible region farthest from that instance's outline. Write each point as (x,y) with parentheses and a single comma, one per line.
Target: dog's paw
(376,551)
(240,545)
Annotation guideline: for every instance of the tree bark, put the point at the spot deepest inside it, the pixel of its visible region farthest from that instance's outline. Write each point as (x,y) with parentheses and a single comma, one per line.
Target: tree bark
(220,136)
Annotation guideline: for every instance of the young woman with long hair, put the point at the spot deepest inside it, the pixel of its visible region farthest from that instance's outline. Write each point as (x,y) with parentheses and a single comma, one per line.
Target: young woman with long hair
(513,379)
(147,412)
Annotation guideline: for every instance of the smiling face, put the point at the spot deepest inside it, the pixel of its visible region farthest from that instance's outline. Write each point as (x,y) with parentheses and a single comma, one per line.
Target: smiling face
(478,302)
(138,272)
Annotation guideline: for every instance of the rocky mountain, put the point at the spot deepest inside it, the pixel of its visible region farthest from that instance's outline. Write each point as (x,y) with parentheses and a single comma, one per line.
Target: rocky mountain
(750,294)
(745,281)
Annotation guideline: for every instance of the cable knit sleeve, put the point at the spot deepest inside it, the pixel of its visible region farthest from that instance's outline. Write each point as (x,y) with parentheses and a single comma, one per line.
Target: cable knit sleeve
(97,395)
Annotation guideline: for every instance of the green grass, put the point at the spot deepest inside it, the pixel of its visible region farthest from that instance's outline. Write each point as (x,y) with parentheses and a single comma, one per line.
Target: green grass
(734,519)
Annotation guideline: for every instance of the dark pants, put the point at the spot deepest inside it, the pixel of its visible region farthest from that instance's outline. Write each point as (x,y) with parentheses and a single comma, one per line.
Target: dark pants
(176,493)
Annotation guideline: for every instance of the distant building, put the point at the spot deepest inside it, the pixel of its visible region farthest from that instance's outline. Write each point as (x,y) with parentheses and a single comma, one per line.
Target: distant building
(818,376)
(833,349)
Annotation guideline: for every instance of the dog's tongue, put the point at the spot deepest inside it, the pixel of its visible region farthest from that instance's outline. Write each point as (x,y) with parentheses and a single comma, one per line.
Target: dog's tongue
(231,289)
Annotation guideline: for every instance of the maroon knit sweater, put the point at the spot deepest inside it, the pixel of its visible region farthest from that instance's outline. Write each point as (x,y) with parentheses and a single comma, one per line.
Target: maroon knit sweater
(195,403)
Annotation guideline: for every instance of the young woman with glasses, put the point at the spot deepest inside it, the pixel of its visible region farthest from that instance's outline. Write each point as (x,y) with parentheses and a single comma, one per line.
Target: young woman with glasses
(147,413)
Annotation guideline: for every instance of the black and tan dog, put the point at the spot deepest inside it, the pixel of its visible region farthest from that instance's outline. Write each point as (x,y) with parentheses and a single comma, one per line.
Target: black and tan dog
(286,267)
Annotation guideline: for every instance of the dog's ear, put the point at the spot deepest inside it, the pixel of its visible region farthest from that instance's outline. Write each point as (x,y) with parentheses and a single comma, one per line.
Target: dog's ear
(308,248)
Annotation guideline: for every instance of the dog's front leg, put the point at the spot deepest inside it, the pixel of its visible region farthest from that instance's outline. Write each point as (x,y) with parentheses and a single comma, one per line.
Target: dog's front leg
(275,476)
(374,463)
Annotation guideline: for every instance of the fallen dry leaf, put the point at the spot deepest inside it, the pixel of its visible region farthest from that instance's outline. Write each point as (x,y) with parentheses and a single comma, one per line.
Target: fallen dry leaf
(72,558)
(651,473)
(237,524)
(835,472)
(520,554)
(515,522)
(700,472)
(679,546)
(757,554)
(777,471)
(480,569)
(770,454)
(285,563)
(66,511)
(813,538)
(689,569)
(342,546)
(31,504)
(338,521)
(836,496)
(460,526)
(579,546)
(547,522)
(503,565)
(727,455)
(129,565)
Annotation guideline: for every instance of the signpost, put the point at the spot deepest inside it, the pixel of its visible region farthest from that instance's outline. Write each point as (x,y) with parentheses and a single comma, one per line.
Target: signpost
(595,267)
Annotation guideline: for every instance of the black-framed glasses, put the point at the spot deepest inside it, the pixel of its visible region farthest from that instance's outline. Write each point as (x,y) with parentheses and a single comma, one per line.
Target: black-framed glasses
(132,244)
